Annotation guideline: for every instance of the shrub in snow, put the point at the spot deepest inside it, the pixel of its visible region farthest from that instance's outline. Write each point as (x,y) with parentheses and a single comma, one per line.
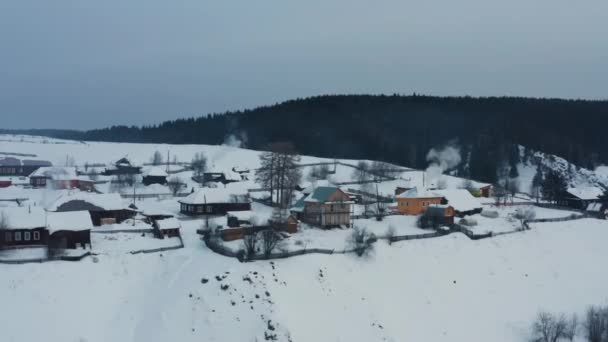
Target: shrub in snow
(390,233)
(489,213)
(469,222)
(523,215)
(361,241)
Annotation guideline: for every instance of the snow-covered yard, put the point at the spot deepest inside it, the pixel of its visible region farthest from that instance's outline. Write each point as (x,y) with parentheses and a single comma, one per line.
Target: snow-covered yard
(106,243)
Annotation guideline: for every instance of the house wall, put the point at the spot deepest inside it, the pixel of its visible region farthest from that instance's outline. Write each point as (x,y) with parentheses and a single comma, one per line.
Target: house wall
(415,206)
(69,239)
(212,208)
(327,215)
(154,180)
(23,237)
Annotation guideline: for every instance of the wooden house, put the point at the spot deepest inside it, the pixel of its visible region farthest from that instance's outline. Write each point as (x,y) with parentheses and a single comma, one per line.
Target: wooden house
(69,230)
(485,190)
(5,183)
(154,175)
(461,200)
(103,208)
(223,177)
(168,227)
(581,197)
(440,214)
(12,166)
(214,201)
(23,226)
(325,207)
(60,178)
(415,202)
(122,166)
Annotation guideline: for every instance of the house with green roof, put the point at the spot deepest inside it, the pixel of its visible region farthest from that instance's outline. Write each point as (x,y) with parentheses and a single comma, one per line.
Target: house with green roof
(325,207)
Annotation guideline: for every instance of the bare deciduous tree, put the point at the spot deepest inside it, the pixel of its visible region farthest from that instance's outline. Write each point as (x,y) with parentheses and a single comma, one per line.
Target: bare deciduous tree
(319,172)
(571,327)
(549,328)
(157,158)
(250,241)
(361,172)
(596,324)
(199,164)
(270,240)
(361,242)
(175,184)
(279,172)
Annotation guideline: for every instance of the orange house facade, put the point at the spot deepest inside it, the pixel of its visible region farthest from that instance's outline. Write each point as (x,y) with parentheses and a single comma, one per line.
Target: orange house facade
(414,202)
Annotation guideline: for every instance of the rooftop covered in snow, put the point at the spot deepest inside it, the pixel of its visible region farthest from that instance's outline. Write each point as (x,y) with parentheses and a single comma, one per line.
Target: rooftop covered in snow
(216,195)
(23,217)
(69,220)
(460,199)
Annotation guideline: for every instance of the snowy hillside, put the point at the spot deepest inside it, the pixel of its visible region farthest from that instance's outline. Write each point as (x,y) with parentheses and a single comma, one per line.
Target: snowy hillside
(447,288)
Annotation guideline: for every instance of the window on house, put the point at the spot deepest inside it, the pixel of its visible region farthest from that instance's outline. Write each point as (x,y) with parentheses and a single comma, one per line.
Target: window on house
(209,208)
(27,236)
(8,236)
(200,209)
(36,236)
(17,236)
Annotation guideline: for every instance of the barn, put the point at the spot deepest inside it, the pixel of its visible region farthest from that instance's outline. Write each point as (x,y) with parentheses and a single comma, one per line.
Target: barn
(154,175)
(103,208)
(22,226)
(69,230)
(214,201)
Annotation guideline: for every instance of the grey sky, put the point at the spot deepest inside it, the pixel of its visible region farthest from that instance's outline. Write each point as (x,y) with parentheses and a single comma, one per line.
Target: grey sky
(86,64)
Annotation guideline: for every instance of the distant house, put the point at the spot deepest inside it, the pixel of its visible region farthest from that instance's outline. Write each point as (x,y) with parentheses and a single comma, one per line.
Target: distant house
(23,226)
(485,190)
(224,177)
(325,207)
(461,200)
(168,226)
(122,166)
(581,197)
(5,183)
(154,175)
(60,178)
(214,201)
(69,230)
(12,166)
(415,202)
(103,208)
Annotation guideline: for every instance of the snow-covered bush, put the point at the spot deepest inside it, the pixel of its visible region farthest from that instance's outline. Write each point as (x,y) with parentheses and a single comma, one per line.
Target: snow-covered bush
(489,213)
(361,241)
(524,214)
(469,222)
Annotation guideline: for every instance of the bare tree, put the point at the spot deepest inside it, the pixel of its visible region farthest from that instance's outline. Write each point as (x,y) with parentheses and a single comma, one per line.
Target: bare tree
(361,242)
(512,188)
(390,233)
(571,327)
(523,215)
(4,222)
(175,184)
(157,158)
(250,241)
(549,328)
(383,170)
(199,164)
(596,324)
(499,194)
(361,173)
(279,172)
(70,161)
(270,240)
(319,172)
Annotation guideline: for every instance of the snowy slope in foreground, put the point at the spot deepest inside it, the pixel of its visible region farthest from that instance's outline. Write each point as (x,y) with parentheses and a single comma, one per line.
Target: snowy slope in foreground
(445,289)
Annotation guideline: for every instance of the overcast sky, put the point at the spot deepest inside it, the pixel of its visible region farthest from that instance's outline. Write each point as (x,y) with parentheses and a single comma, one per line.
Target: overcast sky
(87,64)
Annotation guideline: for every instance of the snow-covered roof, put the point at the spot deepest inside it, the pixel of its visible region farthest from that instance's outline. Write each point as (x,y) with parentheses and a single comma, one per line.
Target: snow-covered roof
(111,201)
(69,220)
(13,161)
(216,195)
(168,223)
(153,208)
(244,215)
(24,217)
(55,172)
(415,193)
(460,199)
(586,192)
(154,171)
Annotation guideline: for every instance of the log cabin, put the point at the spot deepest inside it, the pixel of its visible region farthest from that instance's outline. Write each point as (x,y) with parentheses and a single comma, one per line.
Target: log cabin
(22,227)
(154,175)
(214,201)
(325,207)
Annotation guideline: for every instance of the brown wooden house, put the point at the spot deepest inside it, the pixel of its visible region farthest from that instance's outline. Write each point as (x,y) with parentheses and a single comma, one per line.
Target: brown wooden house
(22,227)
(103,208)
(213,202)
(69,230)
(415,202)
(12,166)
(325,207)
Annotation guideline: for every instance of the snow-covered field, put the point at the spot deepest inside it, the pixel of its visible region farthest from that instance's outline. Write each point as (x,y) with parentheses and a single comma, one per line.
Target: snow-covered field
(442,289)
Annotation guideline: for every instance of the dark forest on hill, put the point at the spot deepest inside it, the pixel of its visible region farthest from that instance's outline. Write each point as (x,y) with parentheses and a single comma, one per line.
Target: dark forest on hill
(399,129)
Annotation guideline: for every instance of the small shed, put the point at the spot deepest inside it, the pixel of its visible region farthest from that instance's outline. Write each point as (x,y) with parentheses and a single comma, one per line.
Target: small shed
(154,175)
(69,230)
(168,226)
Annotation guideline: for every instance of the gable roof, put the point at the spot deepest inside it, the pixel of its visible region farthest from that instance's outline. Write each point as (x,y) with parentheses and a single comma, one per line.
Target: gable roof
(111,201)
(24,217)
(586,192)
(321,194)
(415,193)
(69,220)
(215,195)
(460,199)
(154,171)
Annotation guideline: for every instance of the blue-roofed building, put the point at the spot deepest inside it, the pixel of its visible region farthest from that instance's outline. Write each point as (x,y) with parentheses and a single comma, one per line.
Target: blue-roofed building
(325,207)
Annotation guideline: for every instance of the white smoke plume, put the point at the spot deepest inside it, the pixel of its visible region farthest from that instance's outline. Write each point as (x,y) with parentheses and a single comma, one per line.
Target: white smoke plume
(233,140)
(445,158)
